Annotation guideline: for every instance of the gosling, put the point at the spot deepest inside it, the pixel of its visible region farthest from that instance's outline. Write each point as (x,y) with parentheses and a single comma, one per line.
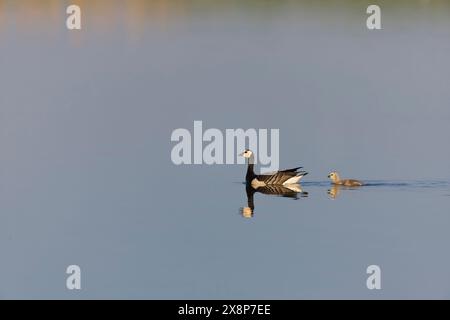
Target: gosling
(336,180)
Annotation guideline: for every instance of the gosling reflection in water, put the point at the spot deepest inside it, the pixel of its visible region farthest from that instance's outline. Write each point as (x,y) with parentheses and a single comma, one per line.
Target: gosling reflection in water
(335,190)
(293,191)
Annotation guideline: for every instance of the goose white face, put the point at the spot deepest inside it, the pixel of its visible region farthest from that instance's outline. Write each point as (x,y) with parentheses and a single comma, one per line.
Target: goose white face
(247,154)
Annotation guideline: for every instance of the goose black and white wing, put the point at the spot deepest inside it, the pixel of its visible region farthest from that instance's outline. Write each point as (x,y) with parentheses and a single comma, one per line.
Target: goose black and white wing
(282,177)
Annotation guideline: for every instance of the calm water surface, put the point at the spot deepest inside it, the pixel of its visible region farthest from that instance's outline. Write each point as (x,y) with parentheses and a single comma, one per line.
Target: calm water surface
(85,170)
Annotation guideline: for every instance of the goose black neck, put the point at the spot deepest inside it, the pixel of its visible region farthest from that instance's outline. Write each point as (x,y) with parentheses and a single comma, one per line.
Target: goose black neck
(250,173)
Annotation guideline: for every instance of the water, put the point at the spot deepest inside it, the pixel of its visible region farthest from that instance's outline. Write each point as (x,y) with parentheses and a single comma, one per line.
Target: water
(86,176)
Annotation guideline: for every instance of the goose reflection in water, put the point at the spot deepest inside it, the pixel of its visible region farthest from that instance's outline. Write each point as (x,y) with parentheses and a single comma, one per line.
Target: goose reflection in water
(293,191)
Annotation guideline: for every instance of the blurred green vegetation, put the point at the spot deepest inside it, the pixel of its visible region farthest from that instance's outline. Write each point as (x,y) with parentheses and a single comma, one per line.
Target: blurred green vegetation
(175,7)
(135,13)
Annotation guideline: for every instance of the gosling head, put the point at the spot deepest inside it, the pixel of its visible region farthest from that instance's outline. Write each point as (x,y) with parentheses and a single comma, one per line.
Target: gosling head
(247,154)
(334,176)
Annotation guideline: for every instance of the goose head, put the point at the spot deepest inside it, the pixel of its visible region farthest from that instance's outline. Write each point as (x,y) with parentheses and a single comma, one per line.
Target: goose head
(247,154)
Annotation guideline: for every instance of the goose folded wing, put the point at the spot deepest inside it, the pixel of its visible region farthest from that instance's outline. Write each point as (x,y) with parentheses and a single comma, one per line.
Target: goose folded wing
(276,178)
(271,173)
(292,170)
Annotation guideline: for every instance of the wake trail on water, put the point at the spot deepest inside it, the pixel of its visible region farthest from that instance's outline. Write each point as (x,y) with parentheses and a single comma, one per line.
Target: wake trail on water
(388,183)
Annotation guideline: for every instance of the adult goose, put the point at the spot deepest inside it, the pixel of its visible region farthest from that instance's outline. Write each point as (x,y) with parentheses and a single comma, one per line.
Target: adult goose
(337,181)
(280,178)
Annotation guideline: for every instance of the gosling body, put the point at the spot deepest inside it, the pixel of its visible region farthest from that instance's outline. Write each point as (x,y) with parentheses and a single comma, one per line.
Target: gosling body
(336,180)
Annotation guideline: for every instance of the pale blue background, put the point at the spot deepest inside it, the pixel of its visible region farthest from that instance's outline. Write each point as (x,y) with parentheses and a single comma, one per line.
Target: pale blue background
(86,176)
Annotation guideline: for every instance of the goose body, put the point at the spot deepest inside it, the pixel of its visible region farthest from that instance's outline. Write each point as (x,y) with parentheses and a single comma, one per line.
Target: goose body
(336,180)
(280,178)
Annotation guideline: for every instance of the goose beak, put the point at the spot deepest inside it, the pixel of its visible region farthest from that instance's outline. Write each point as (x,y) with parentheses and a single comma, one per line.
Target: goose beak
(241,154)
